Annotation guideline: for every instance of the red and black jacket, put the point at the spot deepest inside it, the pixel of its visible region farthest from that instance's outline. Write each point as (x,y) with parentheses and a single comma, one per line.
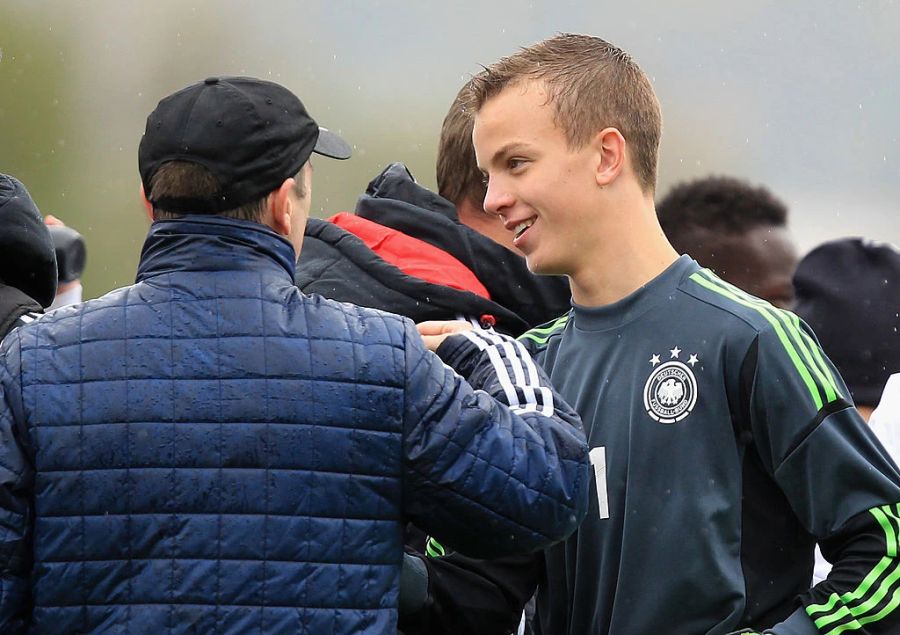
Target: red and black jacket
(405,251)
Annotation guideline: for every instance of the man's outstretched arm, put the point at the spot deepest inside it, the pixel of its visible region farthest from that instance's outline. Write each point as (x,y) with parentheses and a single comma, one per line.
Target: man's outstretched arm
(497,463)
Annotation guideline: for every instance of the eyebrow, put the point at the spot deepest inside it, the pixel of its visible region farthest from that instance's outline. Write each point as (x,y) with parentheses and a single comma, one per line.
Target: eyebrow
(509,148)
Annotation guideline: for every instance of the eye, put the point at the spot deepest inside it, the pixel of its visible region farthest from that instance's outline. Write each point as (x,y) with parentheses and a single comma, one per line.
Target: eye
(514,163)
(484,179)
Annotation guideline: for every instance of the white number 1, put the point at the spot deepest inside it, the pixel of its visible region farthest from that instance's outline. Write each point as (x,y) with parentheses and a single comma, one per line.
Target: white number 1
(598,460)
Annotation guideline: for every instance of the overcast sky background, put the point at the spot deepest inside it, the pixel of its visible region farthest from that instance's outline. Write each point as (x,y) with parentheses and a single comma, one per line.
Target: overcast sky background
(803,97)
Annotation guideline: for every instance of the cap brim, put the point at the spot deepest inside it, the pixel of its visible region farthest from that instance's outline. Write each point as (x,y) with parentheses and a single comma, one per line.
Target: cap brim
(331,145)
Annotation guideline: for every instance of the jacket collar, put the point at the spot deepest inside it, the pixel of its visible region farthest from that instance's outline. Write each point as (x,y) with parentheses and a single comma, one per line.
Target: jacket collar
(395,200)
(396,187)
(213,243)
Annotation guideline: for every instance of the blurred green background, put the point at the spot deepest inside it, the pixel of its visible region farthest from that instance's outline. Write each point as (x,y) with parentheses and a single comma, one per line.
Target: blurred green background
(803,97)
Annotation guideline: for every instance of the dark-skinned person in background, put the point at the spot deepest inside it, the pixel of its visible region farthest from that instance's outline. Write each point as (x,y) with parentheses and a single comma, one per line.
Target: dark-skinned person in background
(736,229)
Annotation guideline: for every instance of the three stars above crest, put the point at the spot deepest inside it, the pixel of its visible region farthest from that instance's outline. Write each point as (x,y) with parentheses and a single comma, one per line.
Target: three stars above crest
(675,352)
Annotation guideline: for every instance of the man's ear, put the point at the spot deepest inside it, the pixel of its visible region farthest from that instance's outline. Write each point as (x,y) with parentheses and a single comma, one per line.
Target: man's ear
(609,145)
(148,206)
(280,209)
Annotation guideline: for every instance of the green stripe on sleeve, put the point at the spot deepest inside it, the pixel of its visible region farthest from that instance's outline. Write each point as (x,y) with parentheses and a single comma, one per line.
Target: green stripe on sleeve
(884,517)
(857,624)
(841,613)
(434,549)
(814,360)
(542,334)
(817,352)
(707,279)
(791,323)
(836,608)
(887,586)
(555,324)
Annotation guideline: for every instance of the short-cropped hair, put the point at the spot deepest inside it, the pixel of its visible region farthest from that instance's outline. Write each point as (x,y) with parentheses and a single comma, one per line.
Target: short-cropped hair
(458,176)
(718,204)
(189,180)
(593,85)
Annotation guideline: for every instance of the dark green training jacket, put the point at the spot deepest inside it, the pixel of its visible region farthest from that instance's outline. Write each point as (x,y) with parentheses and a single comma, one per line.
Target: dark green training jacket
(724,446)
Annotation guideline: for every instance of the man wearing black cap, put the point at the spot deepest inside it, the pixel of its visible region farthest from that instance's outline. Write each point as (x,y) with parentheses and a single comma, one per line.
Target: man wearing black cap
(211,451)
(27,257)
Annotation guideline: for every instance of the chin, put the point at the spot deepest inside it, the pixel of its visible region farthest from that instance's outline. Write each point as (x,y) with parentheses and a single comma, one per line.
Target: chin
(543,268)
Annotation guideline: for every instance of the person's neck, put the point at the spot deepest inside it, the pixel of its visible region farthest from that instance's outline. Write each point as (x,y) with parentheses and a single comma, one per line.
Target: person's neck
(865,411)
(633,251)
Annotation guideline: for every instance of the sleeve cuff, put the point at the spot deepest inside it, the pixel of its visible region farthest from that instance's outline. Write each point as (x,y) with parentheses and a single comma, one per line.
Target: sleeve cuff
(413,584)
(798,623)
(458,352)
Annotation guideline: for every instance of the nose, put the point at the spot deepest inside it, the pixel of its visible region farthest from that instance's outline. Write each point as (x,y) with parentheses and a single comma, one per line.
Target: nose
(497,199)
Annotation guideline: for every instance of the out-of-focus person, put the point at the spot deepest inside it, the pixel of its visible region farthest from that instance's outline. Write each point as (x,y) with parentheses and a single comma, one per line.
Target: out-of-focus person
(885,419)
(848,291)
(211,451)
(430,256)
(737,229)
(27,257)
(71,254)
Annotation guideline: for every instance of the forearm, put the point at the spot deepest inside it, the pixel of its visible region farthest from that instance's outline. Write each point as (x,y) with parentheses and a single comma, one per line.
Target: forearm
(862,591)
(508,455)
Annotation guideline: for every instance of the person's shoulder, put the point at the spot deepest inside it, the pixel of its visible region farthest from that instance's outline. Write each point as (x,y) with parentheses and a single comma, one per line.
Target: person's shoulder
(721,303)
(358,321)
(114,298)
(776,337)
(82,322)
(540,336)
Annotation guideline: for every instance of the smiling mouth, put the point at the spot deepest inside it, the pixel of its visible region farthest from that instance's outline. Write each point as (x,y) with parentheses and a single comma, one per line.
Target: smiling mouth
(522,227)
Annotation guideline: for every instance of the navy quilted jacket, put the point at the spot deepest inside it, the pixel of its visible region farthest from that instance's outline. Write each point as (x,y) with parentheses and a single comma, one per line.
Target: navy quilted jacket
(211,451)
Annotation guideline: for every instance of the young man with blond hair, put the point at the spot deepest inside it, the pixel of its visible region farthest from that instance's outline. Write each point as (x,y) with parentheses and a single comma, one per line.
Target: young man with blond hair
(723,442)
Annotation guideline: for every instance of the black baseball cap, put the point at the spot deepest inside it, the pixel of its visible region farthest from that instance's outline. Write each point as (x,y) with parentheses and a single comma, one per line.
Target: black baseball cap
(251,134)
(848,291)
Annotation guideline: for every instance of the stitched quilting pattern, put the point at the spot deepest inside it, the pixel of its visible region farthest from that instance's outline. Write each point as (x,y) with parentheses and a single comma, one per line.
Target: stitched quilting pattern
(214,452)
(193,450)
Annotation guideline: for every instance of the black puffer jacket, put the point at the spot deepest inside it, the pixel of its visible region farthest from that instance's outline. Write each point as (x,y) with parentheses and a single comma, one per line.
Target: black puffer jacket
(339,265)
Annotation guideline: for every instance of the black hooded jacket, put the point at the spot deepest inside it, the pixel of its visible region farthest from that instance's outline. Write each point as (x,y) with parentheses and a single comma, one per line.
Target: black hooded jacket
(27,256)
(339,265)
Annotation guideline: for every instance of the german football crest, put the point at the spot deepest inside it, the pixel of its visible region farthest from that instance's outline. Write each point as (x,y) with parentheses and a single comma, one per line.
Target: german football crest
(671,389)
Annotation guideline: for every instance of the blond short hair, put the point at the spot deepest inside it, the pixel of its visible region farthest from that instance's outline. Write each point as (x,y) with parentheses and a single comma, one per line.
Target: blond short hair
(593,85)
